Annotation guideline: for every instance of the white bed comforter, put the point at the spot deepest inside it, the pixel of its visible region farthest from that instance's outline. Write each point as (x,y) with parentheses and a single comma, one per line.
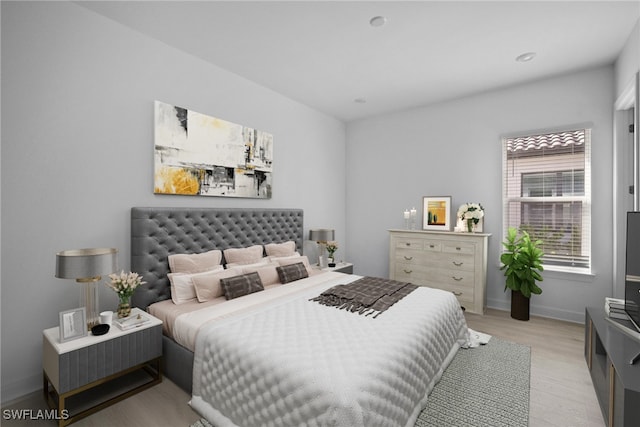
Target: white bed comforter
(295,362)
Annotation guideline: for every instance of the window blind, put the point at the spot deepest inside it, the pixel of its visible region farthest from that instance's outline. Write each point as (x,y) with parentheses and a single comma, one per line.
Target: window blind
(547,192)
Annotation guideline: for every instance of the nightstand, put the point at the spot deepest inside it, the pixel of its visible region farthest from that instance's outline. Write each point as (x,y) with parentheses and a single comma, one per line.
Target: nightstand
(87,374)
(341,267)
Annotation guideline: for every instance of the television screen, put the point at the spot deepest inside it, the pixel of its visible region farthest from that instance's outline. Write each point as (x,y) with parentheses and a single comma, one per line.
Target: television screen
(632,276)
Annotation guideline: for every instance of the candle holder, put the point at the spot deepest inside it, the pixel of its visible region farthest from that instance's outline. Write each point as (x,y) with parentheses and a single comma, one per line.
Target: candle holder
(412,215)
(407,215)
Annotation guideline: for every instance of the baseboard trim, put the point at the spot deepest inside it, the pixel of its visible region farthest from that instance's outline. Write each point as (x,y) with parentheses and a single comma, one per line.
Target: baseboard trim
(541,311)
(16,391)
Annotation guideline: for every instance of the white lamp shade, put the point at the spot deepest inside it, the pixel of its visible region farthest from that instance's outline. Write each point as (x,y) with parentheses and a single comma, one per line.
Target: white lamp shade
(86,263)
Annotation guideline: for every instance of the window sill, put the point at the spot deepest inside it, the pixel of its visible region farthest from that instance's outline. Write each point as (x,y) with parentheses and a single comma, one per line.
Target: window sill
(577,275)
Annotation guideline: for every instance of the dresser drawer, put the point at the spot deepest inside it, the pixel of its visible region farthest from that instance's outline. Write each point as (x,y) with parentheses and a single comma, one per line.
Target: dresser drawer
(457,284)
(419,244)
(409,244)
(458,262)
(412,273)
(410,256)
(432,246)
(423,274)
(458,248)
(435,260)
(458,278)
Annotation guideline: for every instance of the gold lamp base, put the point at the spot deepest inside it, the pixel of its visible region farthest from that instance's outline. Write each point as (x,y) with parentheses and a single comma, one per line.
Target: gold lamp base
(89,299)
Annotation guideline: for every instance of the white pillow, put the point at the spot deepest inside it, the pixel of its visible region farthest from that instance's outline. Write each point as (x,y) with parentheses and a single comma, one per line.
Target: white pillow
(261,262)
(208,284)
(243,255)
(280,249)
(278,258)
(182,287)
(194,263)
(267,272)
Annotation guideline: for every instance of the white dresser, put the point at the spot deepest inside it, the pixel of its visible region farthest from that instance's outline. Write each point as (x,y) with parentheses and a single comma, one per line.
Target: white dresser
(452,261)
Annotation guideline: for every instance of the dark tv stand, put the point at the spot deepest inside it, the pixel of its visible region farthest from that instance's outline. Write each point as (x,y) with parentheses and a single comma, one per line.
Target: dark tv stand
(608,349)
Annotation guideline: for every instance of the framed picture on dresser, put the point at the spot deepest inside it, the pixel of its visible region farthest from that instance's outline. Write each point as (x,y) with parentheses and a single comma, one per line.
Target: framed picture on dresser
(436,213)
(73,324)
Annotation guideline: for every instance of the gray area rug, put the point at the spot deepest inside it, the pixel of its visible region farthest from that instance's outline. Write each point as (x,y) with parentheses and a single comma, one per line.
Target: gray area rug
(486,386)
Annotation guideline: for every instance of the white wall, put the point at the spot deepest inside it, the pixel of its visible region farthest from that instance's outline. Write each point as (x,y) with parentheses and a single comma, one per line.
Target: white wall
(77,154)
(453,149)
(626,67)
(628,62)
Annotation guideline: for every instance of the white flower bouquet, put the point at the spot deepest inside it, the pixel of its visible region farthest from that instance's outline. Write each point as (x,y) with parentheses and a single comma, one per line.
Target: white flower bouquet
(332,247)
(471,211)
(125,284)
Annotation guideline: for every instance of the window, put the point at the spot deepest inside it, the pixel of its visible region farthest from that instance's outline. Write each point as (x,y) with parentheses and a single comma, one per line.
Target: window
(547,192)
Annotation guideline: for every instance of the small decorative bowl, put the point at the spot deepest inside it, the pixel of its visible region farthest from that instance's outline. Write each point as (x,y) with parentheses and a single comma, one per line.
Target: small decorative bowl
(100,329)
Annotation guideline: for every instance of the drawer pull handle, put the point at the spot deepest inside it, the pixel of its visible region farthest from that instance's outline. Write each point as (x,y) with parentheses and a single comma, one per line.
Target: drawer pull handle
(432,246)
(408,271)
(408,244)
(458,248)
(457,279)
(457,264)
(408,258)
(457,293)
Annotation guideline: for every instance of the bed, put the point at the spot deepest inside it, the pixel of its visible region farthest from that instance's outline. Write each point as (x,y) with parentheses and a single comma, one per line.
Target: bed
(282,358)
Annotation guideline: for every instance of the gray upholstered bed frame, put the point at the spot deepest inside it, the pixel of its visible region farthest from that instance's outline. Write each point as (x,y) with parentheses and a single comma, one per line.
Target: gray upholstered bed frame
(157,233)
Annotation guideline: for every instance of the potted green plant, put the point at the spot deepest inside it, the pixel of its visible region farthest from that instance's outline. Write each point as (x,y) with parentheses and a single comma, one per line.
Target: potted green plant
(522,265)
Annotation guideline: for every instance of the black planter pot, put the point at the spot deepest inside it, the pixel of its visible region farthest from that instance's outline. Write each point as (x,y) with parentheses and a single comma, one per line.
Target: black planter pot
(519,306)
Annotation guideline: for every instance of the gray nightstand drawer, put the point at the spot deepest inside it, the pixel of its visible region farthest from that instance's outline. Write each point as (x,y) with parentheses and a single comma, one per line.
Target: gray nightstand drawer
(88,364)
(72,368)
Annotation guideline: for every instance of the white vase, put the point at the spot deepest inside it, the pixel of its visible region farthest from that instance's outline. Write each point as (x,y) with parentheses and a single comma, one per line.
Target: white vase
(322,261)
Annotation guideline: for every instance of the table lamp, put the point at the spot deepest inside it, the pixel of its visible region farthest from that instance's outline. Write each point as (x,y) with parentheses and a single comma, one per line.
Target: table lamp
(87,266)
(322,236)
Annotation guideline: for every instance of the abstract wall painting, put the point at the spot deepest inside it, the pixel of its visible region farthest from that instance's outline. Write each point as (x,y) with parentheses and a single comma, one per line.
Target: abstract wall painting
(436,213)
(196,154)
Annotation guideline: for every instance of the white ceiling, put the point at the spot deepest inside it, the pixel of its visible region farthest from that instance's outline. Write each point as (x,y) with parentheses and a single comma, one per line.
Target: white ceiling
(325,54)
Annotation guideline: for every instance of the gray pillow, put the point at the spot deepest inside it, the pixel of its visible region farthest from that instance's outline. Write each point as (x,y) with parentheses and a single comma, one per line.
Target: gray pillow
(292,272)
(237,286)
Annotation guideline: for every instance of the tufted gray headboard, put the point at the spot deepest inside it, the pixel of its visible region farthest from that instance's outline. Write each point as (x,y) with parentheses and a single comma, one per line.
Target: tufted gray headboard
(157,233)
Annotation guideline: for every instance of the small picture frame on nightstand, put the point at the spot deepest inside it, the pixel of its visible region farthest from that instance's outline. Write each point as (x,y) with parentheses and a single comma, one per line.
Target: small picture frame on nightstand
(73,324)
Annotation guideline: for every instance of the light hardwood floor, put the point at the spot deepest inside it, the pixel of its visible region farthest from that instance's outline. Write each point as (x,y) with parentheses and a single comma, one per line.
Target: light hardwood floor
(561,391)
(561,394)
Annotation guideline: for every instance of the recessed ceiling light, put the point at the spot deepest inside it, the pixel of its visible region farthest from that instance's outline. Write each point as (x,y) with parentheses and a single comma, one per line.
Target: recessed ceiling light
(360,101)
(377,21)
(526,57)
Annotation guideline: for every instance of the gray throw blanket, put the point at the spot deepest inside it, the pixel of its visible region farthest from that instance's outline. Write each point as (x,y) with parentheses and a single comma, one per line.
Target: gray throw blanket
(365,296)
